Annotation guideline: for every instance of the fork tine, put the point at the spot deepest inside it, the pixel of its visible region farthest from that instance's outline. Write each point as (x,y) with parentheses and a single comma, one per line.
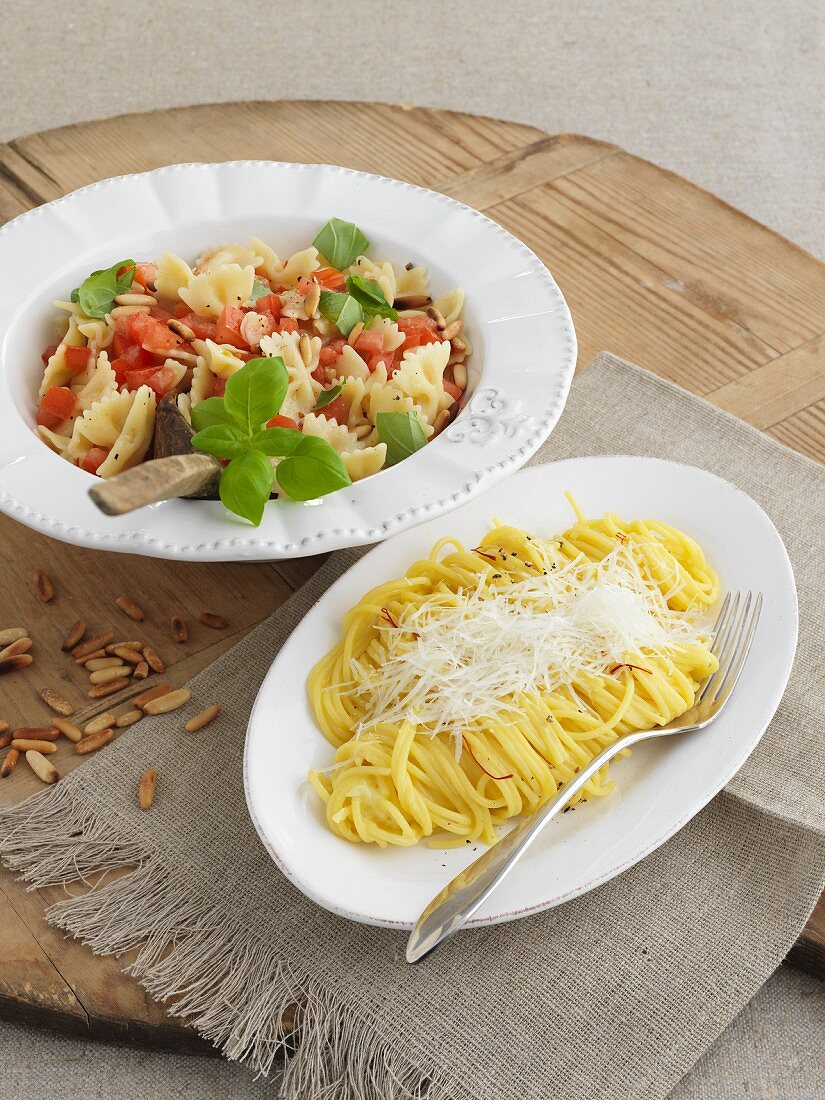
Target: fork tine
(724,633)
(744,642)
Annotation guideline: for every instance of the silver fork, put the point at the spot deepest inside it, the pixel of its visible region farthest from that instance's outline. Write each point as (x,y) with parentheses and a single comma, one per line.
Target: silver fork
(452,908)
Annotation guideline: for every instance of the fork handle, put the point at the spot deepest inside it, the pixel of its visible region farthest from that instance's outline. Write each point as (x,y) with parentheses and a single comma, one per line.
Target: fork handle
(460,898)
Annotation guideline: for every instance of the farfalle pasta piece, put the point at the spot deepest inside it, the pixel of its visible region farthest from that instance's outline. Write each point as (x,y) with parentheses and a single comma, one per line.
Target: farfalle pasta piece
(100,424)
(351,365)
(421,378)
(393,337)
(98,333)
(135,436)
(229,285)
(300,265)
(363,463)
(390,399)
(55,440)
(339,437)
(172,276)
(220,358)
(382,274)
(303,390)
(411,280)
(95,383)
(228,254)
(451,305)
(270,265)
(203,383)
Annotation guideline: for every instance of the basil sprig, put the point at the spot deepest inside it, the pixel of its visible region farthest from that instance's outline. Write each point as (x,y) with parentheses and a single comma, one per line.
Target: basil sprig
(403,434)
(370,297)
(96,294)
(341,243)
(326,397)
(233,427)
(343,310)
(364,299)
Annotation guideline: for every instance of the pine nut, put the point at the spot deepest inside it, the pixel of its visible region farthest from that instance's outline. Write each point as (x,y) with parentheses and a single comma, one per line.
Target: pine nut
(128,299)
(37,733)
(153,661)
(312,300)
(22,645)
(354,333)
(127,311)
(441,421)
(6,738)
(44,590)
(203,719)
(3,726)
(99,723)
(182,356)
(412,301)
(41,767)
(437,316)
(30,744)
(129,718)
(12,634)
(180,329)
(147,788)
(68,729)
(108,675)
(94,742)
(141,671)
(140,701)
(305,348)
(178,629)
(97,663)
(171,700)
(457,345)
(451,331)
(215,622)
(130,608)
(100,691)
(86,649)
(122,645)
(96,654)
(75,635)
(460,375)
(12,664)
(56,702)
(126,653)
(9,763)
(363,430)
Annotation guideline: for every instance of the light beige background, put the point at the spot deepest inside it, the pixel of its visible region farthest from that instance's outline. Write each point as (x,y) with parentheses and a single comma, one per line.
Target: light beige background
(730,93)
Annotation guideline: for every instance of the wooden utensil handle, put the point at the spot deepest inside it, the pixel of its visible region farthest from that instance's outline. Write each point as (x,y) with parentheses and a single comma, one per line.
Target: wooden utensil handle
(159,479)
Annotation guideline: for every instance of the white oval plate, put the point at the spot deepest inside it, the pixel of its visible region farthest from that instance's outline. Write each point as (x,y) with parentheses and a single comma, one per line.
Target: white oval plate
(659,788)
(519,324)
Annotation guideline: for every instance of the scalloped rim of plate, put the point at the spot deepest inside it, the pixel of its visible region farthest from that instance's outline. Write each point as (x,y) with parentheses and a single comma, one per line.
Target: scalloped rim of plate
(379,520)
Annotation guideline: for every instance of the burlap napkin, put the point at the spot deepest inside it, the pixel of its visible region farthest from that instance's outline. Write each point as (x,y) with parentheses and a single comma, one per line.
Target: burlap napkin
(613,995)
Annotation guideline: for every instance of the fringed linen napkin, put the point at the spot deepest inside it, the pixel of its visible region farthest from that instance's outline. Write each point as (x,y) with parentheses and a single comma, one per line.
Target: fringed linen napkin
(615,994)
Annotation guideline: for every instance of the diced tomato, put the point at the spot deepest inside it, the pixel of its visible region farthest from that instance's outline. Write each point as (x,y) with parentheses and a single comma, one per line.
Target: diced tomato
(228,328)
(452,389)
(287,324)
(271,304)
(161,379)
(56,404)
(151,334)
(181,309)
(282,422)
(328,354)
(330,278)
(121,342)
(94,459)
(77,359)
(417,330)
(388,359)
(369,344)
(160,314)
(336,410)
(304,286)
(49,352)
(203,329)
(145,274)
(132,358)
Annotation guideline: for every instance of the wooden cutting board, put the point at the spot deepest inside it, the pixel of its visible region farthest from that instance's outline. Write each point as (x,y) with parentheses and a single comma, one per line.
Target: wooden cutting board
(654,269)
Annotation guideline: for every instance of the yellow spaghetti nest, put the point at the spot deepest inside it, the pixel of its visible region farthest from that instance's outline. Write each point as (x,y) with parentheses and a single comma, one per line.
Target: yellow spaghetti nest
(471,689)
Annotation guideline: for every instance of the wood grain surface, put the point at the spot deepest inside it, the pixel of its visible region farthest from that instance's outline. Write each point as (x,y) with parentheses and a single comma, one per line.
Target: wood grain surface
(654,269)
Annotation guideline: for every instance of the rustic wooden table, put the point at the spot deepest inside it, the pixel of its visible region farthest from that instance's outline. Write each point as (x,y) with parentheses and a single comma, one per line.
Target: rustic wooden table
(654,269)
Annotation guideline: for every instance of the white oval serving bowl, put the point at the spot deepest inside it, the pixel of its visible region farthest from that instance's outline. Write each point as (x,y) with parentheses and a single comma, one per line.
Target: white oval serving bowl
(519,374)
(659,787)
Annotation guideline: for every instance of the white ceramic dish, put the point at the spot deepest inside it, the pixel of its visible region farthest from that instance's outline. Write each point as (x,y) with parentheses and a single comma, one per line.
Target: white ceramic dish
(520,372)
(659,788)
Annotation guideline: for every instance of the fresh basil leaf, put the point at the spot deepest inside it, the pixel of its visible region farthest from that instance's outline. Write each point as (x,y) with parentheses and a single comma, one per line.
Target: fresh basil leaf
(314,470)
(96,294)
(209,412)
(246,484)
(403,434)
(75,295)
(276,441)
(370,297)
(328,396)
(341,243)
(255,393)
(259,290)
(341,309)
(222,440)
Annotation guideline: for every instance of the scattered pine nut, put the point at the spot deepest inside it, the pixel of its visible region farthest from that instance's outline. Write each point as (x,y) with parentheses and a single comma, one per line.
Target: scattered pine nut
(178,629)
(86,649)
(147,788)
(9,763)
(30,744)
(68,729)
(22,645)
(354,333)
(213,621)
(305,348)
(122,645)
(95,655)
(94,741)
(126,653)
(43,588)
(95,664)
(12,634)
(198,721)
(452,330)
(170,700)
(412,301)
(153,661)
(13,664)
(436,315)
(98,724)
(312,300)
(3,726)
(38,733)
(5,738)
(130,608)
(140,701)
(128,719)
(180,329)
(56,702)
(141,671)
(107,675)
(460,375)
(100,691)
(75,635)
(42,767)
